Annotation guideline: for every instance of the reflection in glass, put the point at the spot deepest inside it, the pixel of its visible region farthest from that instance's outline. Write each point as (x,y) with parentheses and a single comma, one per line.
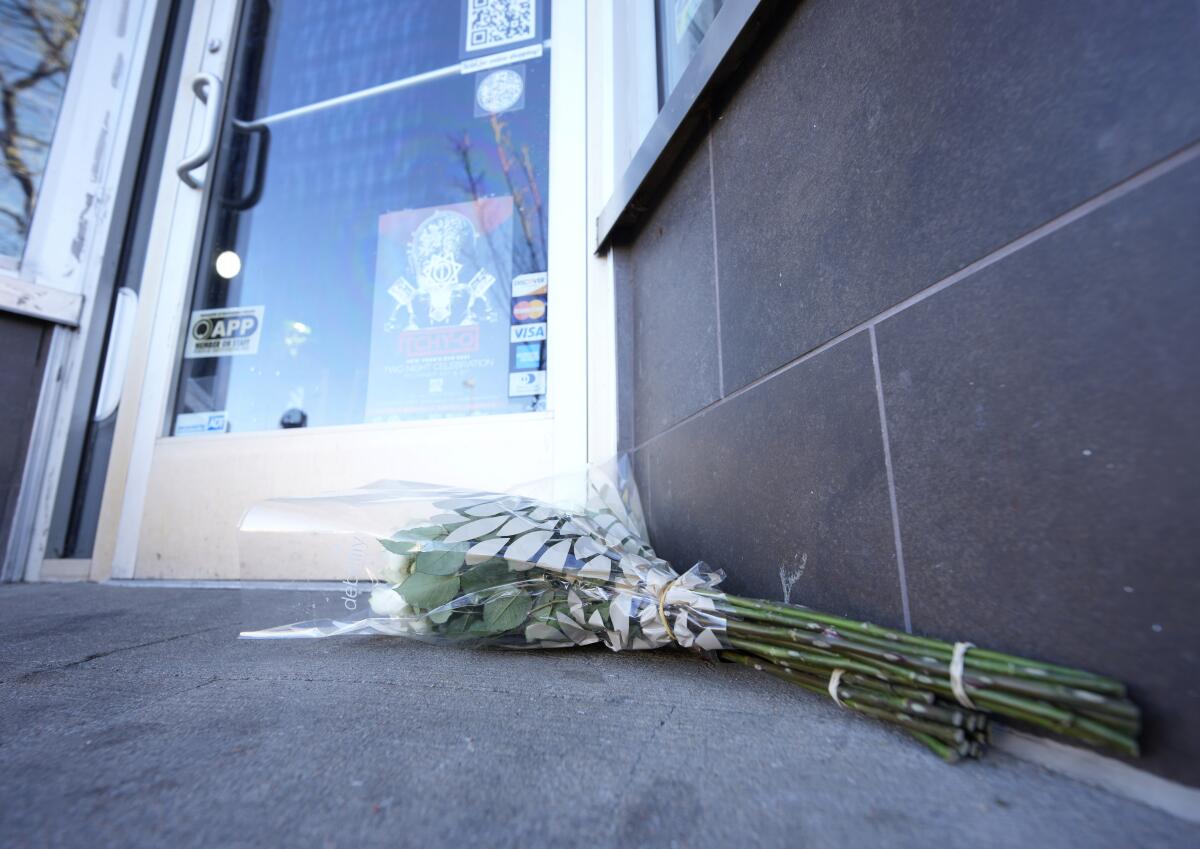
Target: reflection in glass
(37,41)
(681,27)
(387,205)
(228,264)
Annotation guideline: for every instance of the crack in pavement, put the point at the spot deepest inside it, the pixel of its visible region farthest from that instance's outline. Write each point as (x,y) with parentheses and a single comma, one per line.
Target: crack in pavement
(98,655)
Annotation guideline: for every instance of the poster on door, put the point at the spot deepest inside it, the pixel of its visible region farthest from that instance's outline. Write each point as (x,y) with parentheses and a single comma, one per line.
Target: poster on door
(440,322)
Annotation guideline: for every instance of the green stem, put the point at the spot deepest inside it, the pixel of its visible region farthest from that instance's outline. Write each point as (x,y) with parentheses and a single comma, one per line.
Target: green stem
(973,682)
(1028,710)
(944,733)
(935,745)
(806,616)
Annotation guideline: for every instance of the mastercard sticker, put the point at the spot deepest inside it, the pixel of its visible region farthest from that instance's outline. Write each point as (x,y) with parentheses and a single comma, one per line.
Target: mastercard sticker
(529,309)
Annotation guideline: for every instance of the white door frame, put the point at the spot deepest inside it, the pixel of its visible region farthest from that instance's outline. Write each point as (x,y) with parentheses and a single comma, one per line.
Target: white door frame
(145,466)
(64,255)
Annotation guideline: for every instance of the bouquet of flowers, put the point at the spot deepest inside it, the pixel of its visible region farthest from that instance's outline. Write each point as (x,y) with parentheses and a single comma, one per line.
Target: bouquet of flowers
(455,566)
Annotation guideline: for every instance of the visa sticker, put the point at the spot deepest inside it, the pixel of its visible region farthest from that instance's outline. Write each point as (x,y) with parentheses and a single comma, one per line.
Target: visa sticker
(526,383)
(528,332)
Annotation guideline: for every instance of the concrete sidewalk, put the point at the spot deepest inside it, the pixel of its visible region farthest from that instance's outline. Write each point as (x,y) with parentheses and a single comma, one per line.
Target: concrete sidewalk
(134,717)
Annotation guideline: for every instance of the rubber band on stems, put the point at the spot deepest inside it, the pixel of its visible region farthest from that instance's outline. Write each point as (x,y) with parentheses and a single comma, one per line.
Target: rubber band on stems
(834,680)
(957,661)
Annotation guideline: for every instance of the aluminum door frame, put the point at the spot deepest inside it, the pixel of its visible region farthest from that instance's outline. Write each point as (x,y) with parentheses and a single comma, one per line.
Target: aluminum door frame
(169,273)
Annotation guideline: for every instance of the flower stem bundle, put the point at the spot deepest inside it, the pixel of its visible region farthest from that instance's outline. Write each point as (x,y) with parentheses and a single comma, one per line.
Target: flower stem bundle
(472,568)
(908,680)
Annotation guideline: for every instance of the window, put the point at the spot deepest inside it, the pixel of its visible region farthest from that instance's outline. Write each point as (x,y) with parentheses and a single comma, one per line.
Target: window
(376,241)
(37,42)
(681,26)
(666,58)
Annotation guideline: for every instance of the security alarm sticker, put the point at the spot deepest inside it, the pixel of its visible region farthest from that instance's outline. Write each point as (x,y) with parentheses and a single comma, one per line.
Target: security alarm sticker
(189,424)
(226,332)
(527,383)
(528,332)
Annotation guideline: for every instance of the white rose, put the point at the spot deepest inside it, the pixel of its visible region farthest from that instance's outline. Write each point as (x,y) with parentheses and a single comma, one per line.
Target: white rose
(385,601)
(395,569)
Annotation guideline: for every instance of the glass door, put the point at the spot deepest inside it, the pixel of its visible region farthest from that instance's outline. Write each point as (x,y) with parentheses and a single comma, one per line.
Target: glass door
(370,265)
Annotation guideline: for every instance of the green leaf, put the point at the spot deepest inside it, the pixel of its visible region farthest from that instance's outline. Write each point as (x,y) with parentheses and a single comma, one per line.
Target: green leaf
(506,610)
(459,624)
(490,573)
(441,561)
(427,591)
(441,615)
(429,532)
(396,546)
(478,626)
(536,631)
(406,541)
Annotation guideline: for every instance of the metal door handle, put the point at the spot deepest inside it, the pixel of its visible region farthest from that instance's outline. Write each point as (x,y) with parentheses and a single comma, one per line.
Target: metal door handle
(116,360)
(263,133)
(211,91)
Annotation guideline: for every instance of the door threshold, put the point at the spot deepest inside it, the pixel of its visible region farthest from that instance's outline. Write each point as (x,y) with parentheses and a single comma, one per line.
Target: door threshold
(64,570)
(183,583)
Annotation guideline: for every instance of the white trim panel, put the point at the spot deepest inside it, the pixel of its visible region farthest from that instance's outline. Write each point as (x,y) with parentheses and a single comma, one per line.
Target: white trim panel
(44,302)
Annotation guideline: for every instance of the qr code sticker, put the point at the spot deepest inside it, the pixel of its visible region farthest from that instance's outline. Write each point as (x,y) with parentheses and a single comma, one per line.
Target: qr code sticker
(495,23)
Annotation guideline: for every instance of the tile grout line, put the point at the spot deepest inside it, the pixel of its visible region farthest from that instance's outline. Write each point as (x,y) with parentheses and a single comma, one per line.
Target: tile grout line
(1129,184)
(712,205)
(648,506)
(891,482)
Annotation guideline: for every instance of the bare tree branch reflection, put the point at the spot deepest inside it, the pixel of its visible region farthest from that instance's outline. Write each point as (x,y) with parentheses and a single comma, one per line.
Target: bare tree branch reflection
(531,224)
(37,40)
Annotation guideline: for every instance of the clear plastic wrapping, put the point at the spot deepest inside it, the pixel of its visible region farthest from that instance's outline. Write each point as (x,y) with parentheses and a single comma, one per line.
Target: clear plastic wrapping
(447,565)
(566,562)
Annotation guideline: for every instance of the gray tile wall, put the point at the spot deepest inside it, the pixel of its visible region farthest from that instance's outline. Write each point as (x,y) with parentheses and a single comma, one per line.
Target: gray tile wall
(916,334)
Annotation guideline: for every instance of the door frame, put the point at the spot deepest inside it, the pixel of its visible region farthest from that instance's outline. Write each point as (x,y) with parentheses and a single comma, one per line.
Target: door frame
(69,247)
(176,229)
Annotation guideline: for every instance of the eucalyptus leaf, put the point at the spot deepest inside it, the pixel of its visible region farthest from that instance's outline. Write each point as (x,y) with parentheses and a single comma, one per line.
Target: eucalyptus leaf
(441,615)
(441,561)
(506,610)
(427,532)
(397,546)
(427,591)
(407,541)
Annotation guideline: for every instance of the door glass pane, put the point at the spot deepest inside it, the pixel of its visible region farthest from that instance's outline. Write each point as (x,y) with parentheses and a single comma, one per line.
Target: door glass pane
(375,245)
(37,41)
(681,27)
